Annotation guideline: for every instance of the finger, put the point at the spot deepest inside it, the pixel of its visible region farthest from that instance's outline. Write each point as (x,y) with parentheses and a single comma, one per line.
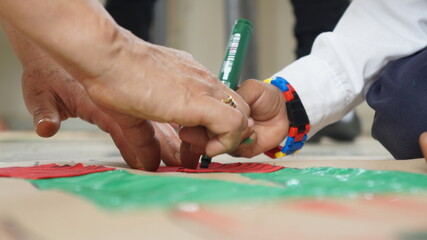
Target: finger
(198,138)
(423,144)
(224,121)
(47,127)
(265,100)
(89,112)
(46,116)
(195,136)
(145,145)
(248,147)
(107,124)
(175,126)
(248,131)
(188,158)
(140,136)
(251,91)
(169,142)
(197,150)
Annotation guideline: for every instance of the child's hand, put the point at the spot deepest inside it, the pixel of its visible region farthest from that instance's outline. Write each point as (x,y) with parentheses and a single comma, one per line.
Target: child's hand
(268,111)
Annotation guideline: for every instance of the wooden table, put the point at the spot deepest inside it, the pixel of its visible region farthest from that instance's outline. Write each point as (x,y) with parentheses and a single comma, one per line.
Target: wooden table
(28,213)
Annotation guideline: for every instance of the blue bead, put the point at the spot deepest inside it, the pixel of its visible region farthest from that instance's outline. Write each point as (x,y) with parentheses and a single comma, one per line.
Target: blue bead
(282,80)
(290,141)
(305,138)
(280,84)
(297,146)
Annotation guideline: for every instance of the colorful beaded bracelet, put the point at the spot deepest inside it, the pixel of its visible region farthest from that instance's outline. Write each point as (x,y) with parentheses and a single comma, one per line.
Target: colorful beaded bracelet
(299,125)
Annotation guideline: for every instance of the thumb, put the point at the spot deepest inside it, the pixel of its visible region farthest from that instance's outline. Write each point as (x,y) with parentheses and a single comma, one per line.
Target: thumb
(46,117)
(251,90)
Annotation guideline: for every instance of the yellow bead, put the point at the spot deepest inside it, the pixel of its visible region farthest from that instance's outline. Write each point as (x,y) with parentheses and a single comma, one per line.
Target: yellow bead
(279,154)
(268,80)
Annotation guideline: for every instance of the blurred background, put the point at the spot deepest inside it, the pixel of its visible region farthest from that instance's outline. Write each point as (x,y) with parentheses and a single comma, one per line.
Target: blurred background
(200,27)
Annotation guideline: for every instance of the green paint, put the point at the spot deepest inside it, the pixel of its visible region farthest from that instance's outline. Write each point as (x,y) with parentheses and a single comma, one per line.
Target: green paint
(327,181)
(420,235)
(248,141)
(123,190)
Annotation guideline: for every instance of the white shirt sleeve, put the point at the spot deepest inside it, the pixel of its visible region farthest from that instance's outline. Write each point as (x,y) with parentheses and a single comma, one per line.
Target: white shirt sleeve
(344,63)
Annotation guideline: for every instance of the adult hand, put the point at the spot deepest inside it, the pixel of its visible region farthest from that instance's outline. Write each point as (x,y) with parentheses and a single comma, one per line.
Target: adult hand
(269,124)
(167,85)
(130,79)
(52,95)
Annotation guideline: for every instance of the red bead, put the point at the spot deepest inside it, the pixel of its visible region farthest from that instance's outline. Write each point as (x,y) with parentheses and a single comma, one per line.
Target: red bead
(293,131)
(272,153)
(289,96)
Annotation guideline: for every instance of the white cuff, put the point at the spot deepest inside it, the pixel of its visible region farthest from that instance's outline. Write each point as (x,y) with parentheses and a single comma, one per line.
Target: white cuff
(322,94)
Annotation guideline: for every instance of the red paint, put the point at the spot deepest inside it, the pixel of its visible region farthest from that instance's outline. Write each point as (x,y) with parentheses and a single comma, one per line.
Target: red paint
(51,171)
(230,168)
(324,206)
(56,171)
(215,221)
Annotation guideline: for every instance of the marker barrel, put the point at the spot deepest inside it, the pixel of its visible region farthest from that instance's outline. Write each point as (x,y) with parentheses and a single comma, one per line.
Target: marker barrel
(235,53)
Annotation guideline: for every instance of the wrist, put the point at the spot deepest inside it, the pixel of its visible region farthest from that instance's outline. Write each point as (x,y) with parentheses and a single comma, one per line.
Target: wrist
(111,47)
(119,50)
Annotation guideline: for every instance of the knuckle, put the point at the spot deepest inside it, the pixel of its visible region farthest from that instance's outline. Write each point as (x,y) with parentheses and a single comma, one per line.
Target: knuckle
(204,74)
(41,112)
(186,55)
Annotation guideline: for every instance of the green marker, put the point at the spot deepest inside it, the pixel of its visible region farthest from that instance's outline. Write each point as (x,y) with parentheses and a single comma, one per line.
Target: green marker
(235,54)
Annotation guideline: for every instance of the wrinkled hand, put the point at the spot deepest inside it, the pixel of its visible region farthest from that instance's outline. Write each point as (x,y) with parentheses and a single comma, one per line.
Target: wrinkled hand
(52,95)
(268,123)
(166,85)
(127,76)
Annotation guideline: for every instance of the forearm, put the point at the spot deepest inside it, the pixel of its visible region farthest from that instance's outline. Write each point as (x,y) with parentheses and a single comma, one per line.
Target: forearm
(78,34)
(23,48)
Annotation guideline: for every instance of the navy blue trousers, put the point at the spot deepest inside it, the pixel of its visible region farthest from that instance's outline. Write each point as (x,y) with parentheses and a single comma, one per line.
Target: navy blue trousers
(399,99)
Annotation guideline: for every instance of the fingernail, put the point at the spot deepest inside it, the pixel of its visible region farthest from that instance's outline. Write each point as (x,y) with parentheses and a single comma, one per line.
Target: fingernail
(251,123)
(43,120)
(40,122)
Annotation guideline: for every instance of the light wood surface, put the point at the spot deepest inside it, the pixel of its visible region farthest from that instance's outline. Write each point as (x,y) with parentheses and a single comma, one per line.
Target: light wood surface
(27,213)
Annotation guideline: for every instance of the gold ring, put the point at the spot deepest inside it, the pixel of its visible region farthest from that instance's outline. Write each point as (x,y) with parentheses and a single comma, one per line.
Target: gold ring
(229,101)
